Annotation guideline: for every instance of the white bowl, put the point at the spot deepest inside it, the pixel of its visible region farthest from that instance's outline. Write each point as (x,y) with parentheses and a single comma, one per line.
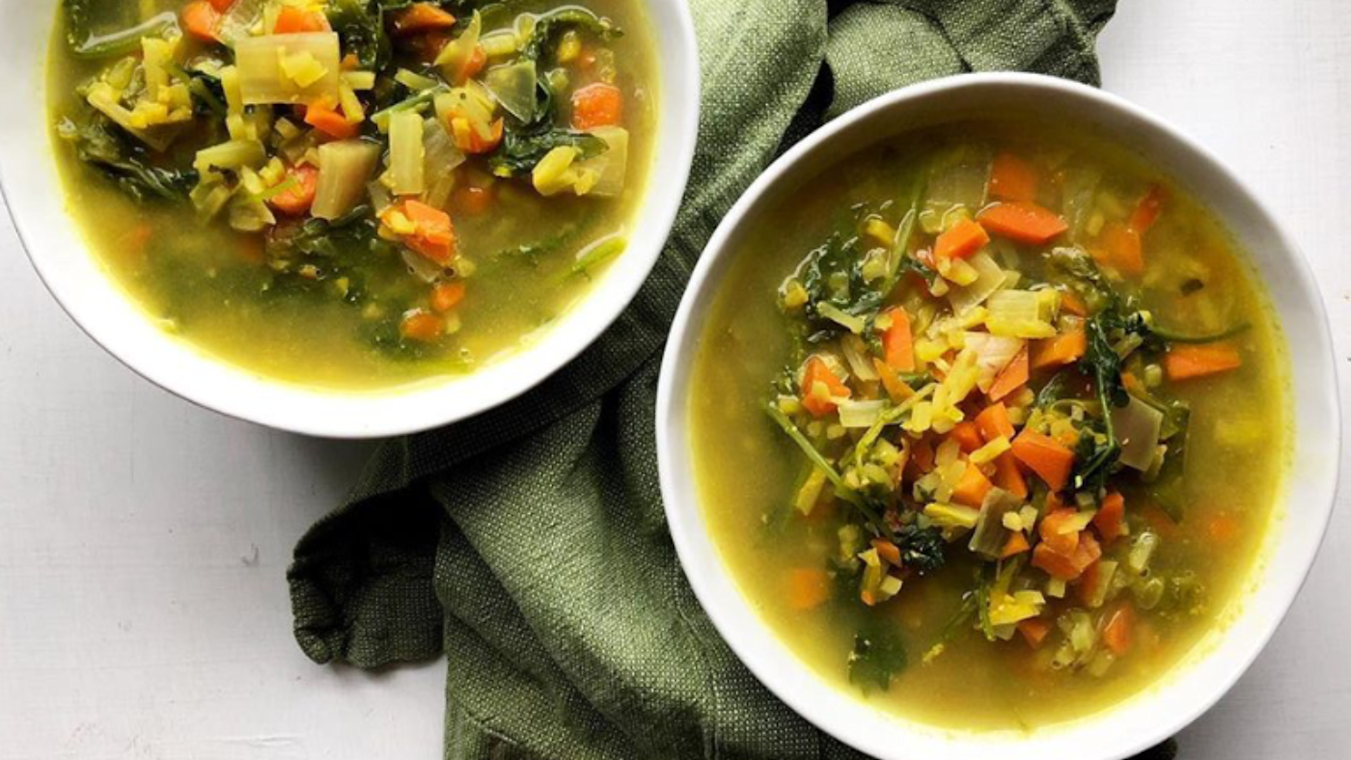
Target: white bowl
(1292,542)
(32,191)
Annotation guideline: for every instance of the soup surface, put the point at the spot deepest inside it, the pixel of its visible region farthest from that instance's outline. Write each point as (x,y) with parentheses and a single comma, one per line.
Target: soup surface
(334,194)
(987,424)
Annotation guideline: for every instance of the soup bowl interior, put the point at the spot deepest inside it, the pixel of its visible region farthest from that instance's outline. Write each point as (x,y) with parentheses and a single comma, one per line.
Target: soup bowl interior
(32,191)
(1307,492)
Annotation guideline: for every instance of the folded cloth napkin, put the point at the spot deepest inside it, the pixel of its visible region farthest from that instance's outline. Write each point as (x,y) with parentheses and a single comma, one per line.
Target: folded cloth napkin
(528,545)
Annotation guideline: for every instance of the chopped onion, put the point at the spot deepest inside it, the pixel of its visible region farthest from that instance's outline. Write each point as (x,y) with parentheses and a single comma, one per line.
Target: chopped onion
(990,279)
(860,414)
(1137,426)
(993,354)
(855,352)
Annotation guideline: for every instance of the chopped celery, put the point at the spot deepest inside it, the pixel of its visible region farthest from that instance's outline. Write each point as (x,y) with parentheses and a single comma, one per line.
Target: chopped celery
(289,68)
(611,166)
(810,492)
(952,515)
(1020,314)
(860,414)
(406,165)
(231,155)
(344,169)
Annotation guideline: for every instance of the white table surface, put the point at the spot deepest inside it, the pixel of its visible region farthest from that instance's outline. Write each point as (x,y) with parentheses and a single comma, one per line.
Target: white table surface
(144,541)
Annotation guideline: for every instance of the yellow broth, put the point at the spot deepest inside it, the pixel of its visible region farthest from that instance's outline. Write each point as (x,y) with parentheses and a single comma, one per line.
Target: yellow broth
(212,287)
(748,471)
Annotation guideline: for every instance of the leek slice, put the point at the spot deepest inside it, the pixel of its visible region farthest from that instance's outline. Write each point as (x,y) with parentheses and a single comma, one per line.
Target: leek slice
(289,68)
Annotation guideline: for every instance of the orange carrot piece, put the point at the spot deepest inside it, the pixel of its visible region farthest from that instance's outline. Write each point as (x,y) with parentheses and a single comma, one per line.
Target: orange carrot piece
(435,235)
(1012,377)
(473,200)
(1008,477)
(1223,529)
(1111,517)
(421,17)
(297,199)
(972,488)
(898,344)
(1065,348)
(1067,567)
(1119,632)
(1055,531)
(421,326)
(922,455)
(1145,214)
(808,588)
(1023,222)
(1013,179)
(1034,630)
(330,122)
(296,21)
(470,141)
(202,20)
(887,551)
(597,105)
(222,5)
(967,435)
(1050,459)
(1073,304)
(1121,249)
(993,422)
(1017,544)
(818,372)
(961,241)
(1184,362)
(447,295)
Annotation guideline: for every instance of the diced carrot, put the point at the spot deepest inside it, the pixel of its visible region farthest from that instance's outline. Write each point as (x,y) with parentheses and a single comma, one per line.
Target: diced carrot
(1118,634)
(421,17)
(447,295)
(922,455)
(1056,532)
(293,20)
(1016,544)
(421,326)
(1121,249)
(887,551)
(1223,529)
(1013,179)
(202,20)
(808,588)
(1090,583)
(1012,377)
(867,597)
(894,385)
(818,373)
(1065,348)
(1034,630)
(960,241)
(1050,459)
(597,105)
(1131,383)
(472,65)
(473,200)
(972,488)
(330,122)
(1008,477)
(1023,222)
(222,5)
(350,62)
(967,435)
(993,422)
(1148,211)
(435,235)
(1184,362)
(898,344)
(1111,517)
(297,199)
(470,141)
(1073,304)
(1067,567)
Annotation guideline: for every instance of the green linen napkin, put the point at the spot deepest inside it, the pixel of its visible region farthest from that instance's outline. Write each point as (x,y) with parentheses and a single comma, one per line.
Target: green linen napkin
(528,545)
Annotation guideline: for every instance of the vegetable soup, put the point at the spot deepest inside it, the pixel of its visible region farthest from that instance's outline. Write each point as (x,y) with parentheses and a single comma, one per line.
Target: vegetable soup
(989,423)
(354,193)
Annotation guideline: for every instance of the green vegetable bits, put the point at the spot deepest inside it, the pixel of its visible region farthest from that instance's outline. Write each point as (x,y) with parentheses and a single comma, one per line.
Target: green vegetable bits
(1000,436)
(354,193)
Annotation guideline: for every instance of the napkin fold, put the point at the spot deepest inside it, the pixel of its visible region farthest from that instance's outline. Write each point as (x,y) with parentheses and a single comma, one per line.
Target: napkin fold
(528,545)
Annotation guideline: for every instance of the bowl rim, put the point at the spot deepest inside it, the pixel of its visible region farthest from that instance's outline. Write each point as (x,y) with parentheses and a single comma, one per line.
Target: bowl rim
(219,385)
(680,491)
